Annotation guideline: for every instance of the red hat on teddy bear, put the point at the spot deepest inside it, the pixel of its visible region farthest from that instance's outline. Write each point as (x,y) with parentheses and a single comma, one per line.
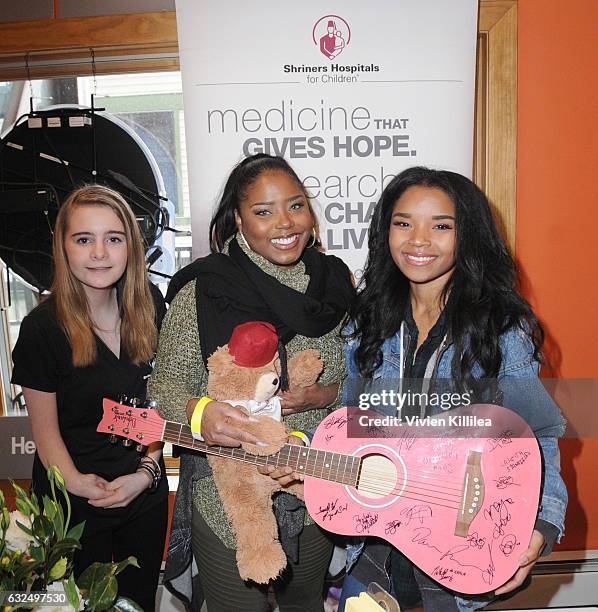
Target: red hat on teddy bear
(253,344)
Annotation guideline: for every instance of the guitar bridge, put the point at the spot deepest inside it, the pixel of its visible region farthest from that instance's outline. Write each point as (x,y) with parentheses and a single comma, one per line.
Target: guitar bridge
(473,494)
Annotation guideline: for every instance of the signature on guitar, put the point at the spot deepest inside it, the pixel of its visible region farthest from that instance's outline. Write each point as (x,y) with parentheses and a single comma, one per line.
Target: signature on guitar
(499,514)
(500,441)
(486,572)
(503,482)
(391,527)
(417,513)
(331,509)
(507,546)
(363,522)
(337,421)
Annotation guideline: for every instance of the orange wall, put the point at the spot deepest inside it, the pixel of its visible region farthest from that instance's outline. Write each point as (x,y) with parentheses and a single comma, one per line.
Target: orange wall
(557,212)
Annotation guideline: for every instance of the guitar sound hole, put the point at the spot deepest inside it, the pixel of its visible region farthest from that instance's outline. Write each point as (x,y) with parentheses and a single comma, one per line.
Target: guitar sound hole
(378,476)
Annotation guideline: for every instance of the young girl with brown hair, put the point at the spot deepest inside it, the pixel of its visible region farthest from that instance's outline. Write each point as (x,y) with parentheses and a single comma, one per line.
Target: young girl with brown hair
(94,337)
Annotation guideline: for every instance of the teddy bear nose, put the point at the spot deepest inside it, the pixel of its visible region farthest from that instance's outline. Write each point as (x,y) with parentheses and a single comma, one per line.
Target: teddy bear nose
(275,381)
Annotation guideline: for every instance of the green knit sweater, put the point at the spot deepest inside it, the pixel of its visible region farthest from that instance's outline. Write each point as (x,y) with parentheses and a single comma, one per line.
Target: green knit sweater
(179,374)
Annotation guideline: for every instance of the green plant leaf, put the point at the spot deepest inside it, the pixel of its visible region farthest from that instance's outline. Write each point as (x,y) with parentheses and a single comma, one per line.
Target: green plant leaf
(19,491)
(26,568)
(22,495)
(42,528)
(24,528)
(53,511)
(76,532)
(34,503)
(58,569)
(37,552)
(22,506)
(96,571)
(126,605)
(5,518)
(125,563)
(102,594)
(50,507)
(71,591)
(66,545)
(63,549)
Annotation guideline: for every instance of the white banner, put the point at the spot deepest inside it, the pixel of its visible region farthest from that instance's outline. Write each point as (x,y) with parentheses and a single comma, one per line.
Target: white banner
(349,92)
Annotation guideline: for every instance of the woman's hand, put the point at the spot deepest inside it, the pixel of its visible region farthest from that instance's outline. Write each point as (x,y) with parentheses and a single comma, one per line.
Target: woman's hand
(123,490)
(223,425)
(90,486)
(527,560)
(300,399)
(285,475)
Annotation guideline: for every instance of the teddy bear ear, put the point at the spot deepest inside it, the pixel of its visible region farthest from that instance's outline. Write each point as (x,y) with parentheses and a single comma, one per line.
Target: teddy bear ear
(220,360)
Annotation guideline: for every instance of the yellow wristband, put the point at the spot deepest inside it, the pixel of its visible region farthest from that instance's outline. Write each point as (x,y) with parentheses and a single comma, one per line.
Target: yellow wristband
(301,436)
(198,413)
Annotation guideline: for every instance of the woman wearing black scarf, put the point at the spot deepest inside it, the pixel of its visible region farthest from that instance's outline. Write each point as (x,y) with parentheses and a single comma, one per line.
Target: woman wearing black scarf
(264,266)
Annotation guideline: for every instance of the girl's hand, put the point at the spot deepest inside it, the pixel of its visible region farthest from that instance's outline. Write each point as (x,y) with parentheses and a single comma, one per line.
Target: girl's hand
(527,560)
(300,399)
(90,486)
(285,475)
(123,490)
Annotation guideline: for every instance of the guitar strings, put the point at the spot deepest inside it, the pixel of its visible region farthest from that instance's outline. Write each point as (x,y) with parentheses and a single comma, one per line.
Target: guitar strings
(311,465)
(397,492)
(412,487)
(384,476)
(430,475)
(368,486)
(419,499)
(418,484)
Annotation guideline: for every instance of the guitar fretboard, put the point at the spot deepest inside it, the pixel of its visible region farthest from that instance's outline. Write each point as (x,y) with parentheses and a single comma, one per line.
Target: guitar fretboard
(326,465)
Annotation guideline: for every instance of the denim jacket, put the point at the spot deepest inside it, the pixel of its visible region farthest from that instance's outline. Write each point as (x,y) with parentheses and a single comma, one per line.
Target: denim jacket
(520,390)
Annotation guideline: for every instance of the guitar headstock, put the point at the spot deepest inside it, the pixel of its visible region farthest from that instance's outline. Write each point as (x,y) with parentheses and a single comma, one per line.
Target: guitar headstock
(140,425)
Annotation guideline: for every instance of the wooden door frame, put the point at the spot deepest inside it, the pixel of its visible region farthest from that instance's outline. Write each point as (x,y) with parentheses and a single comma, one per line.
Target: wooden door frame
(495,135)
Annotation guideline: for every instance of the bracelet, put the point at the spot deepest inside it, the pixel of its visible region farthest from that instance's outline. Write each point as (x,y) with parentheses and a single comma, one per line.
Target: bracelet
(147,458)
(301,436)
(196,416)
(148,472)
(154,477)
(156,474)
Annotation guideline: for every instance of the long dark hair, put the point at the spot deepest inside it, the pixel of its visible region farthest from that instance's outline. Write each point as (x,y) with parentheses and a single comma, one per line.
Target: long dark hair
(244,174)
(484,300)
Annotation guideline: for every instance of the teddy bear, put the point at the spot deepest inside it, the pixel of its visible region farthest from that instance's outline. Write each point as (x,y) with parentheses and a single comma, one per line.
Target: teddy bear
(247,372)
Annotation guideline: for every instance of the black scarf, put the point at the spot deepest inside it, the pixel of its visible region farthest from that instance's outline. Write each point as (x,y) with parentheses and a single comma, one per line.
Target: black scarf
(231,289)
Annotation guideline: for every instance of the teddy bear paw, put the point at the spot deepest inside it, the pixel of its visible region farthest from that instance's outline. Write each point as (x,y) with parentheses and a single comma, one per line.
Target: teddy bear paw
(264,564)
(305,367)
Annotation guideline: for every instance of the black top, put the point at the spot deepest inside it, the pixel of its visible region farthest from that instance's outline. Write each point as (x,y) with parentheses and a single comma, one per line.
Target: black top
(43,361)
(416,360)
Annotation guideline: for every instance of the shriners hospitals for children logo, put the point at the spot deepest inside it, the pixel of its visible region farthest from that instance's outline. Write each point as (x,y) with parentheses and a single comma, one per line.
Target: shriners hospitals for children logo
(331,34)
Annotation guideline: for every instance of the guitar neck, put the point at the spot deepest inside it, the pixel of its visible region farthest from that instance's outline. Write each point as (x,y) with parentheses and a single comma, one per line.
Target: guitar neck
(324,465)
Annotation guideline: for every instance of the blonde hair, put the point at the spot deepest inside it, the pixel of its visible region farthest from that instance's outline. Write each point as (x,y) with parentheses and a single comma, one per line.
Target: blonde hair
(68,298)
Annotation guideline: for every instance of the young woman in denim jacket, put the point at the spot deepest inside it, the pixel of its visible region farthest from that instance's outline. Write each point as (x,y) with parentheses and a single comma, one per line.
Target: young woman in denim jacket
(439,302)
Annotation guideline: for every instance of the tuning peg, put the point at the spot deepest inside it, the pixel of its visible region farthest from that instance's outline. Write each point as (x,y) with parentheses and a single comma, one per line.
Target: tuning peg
(134,401)
(152,404)
(113,439)
(140,448)
(127,442)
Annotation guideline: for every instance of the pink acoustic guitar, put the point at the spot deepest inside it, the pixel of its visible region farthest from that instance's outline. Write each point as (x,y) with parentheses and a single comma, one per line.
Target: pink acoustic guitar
(458,496)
